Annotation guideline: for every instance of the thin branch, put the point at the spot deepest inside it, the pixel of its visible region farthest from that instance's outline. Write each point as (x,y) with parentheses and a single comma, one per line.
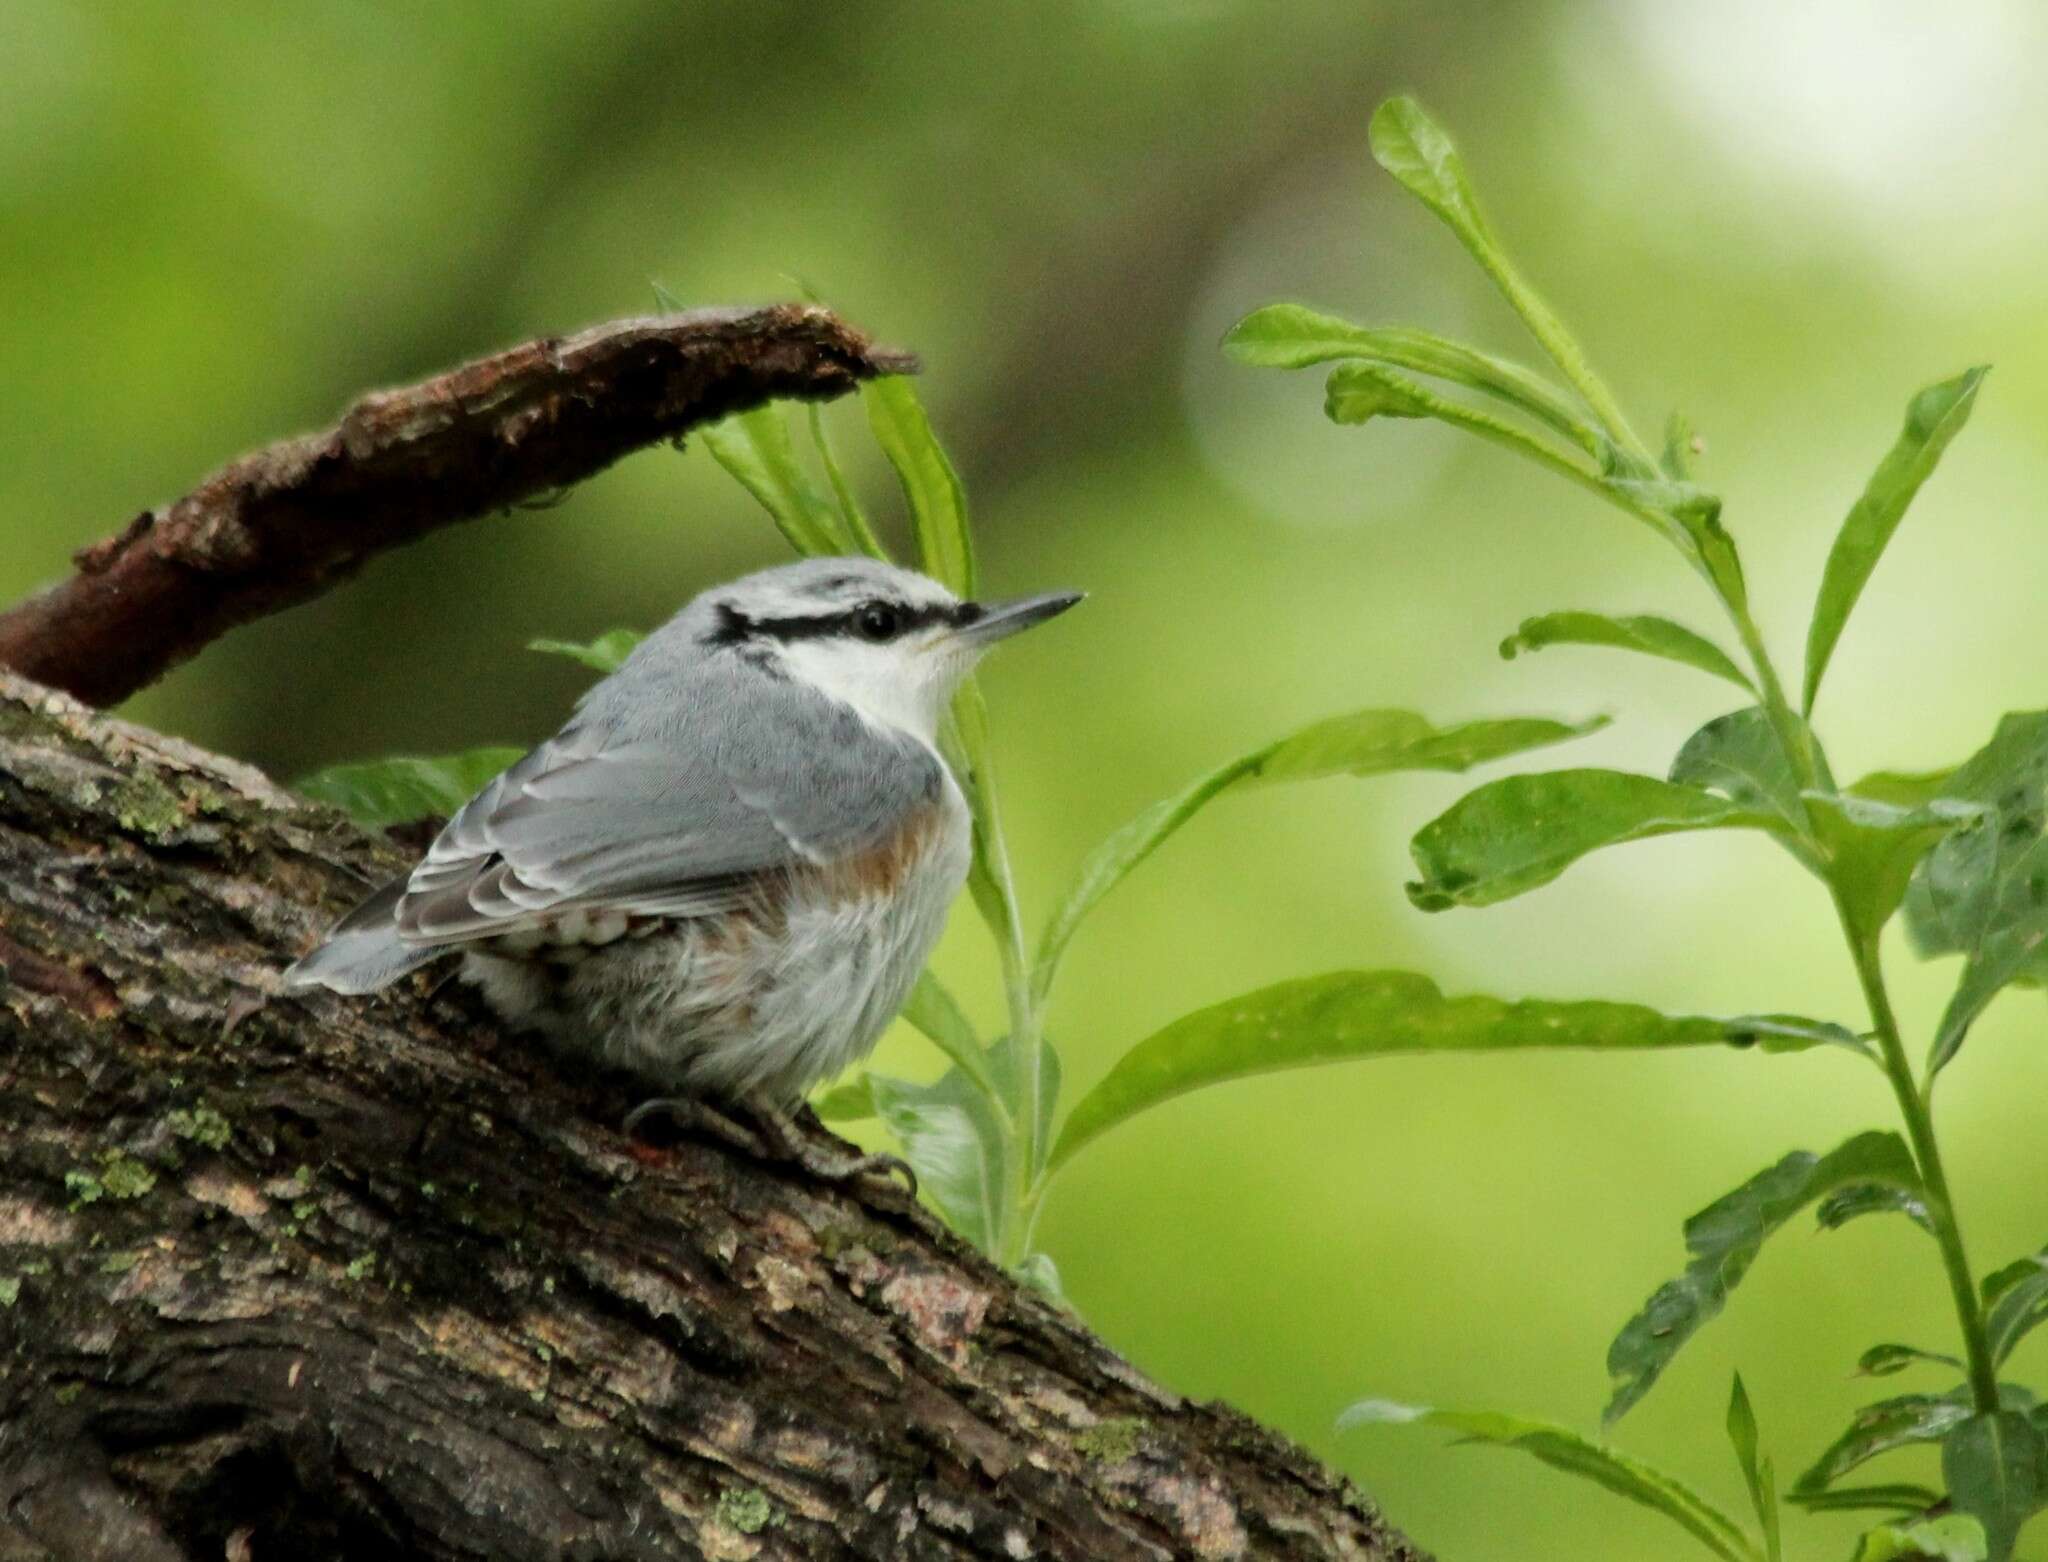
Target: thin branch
(291,520)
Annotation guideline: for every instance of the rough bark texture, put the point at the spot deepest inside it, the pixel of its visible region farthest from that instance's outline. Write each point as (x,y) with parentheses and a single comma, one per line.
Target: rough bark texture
(287,1279)
(287,522)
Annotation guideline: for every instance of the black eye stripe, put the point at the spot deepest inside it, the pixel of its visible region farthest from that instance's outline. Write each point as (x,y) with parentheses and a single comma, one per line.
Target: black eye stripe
(735,626)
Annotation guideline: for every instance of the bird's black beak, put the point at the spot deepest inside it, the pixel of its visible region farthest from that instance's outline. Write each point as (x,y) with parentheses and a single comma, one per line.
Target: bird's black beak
(982,624)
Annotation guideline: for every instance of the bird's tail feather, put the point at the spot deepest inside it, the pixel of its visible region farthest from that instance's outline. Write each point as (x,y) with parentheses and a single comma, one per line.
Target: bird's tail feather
(362,952)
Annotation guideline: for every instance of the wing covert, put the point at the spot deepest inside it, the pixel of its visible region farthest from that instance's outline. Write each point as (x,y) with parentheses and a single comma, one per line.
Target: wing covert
(678,813)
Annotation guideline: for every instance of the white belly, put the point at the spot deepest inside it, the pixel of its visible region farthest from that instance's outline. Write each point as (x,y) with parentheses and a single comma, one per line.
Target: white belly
(692,1008)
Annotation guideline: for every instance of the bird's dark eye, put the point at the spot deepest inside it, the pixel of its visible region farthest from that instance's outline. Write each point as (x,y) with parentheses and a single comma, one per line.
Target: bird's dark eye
(877,620)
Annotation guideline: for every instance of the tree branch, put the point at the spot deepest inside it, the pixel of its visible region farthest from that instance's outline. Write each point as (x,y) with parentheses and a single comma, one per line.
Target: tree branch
(291,520)
(319,1278)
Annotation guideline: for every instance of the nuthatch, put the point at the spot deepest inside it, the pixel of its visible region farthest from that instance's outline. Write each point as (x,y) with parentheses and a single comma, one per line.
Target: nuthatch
(725,873)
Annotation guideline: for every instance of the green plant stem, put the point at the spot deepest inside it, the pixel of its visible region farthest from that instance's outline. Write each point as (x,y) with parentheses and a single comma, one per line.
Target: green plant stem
(1919,1118)
(1914,1104)
(1794,736)
(1010,1230)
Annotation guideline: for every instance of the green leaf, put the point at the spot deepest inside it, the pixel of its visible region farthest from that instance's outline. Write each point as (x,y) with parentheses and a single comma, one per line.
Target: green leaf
(1984,893)
(853,520)
(1898,1496)
(379,793)
(1643,633)
(605,654)
(1563,1449)
(1682,515)
(1881,1361)
(1791,1033)
(955,1140)
(1879,1428)
(1288,336)
(1901,788)
(1006,1065)
(846,1103)
(1739,756)
(1996,1469)
(1756,1469)
(1514,835)
(935,1012)
(1874,1198)
(1363,743)
(2015,1303)
(1692,516)
(1954,1537)
(1418,152)
(1933,418)
(1038,1271)
(1872,848)
(1724,1240)
(1681,448)
(938,504)
(755,448)
(1349,1015)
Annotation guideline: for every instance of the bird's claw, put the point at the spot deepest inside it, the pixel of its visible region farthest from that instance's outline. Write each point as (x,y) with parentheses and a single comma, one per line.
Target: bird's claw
(772,1135)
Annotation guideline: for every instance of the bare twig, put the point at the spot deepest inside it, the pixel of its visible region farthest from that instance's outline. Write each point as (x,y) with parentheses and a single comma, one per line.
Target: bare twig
(291,520)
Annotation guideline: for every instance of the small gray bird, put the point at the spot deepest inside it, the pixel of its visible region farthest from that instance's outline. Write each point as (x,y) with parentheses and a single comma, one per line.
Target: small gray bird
(724,875)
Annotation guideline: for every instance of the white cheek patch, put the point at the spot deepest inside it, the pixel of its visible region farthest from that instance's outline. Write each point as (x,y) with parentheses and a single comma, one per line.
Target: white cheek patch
(901,685)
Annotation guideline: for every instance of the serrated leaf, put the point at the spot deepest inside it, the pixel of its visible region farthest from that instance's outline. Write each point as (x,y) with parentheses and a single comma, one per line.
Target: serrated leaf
(1363,743)
(1996,1469)
(1289,336)
(755,448)
(1881,1361)
(1725,1238)
(846,1103)
(951,1134)
(938,504)
(1892,1497)
(379,793)
(1645,634)
(1354,1015)
(1756,1469)
(1563,1449)
(1514,835)
(2015,1303)
(606,654)
(1984,893)
(1934,417)
(1879,1428)
(1953,1537)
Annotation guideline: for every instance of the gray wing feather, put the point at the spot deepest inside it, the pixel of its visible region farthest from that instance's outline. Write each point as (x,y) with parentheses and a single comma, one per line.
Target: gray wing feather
(677,811)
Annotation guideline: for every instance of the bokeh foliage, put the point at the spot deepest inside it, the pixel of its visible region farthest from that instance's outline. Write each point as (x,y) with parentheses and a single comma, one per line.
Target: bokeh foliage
(224,221)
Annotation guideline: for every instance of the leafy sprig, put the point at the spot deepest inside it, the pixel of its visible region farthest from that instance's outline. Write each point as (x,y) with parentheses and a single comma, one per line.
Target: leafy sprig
(1962,850)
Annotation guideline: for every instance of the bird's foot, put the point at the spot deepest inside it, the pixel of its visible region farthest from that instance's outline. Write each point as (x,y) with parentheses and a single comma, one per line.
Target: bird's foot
(769,1132)
(689,1113)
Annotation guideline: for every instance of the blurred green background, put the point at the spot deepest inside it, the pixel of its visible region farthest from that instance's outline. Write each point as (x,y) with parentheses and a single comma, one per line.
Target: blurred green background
(223,221)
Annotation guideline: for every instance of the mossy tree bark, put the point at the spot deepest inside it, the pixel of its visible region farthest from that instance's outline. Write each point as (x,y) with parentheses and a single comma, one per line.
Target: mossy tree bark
(291,1279)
